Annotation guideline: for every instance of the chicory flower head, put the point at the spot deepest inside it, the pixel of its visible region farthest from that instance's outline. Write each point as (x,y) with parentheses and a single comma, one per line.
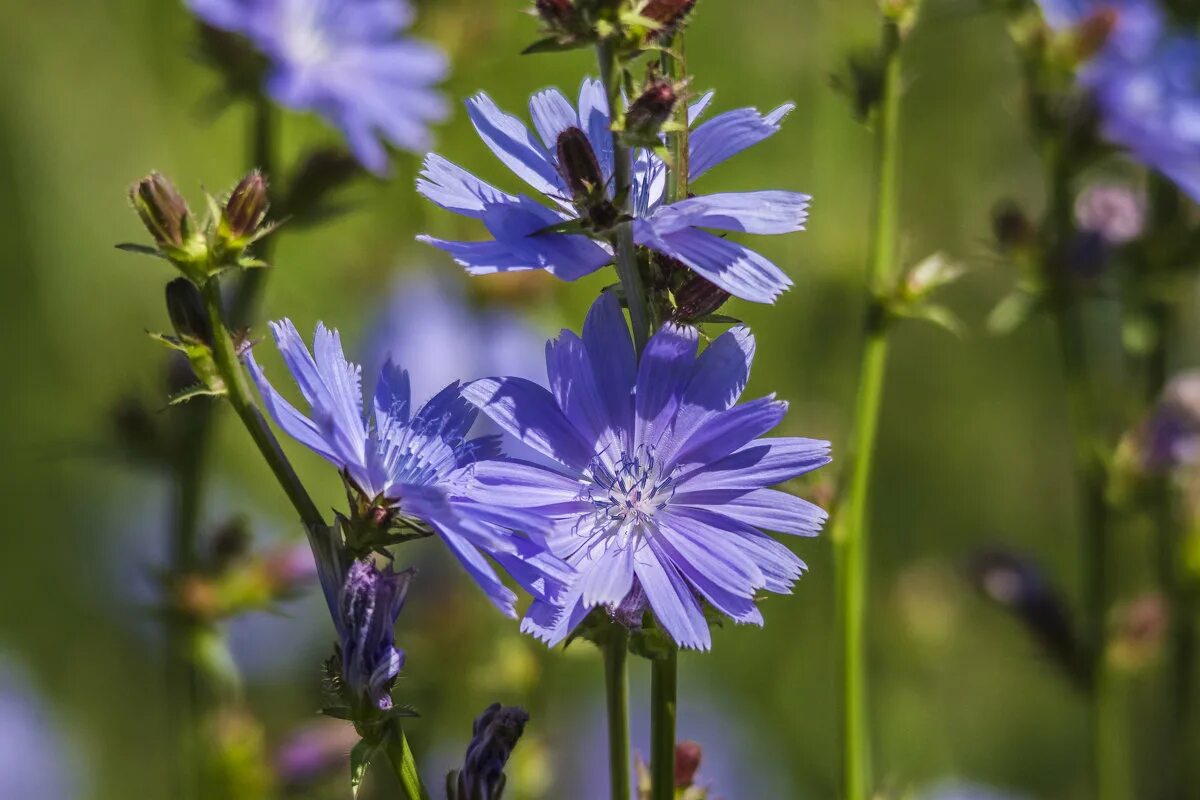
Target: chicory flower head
(416,463)
(660,484)
(369,604)
(347,61)
(1145,82)
(570,163)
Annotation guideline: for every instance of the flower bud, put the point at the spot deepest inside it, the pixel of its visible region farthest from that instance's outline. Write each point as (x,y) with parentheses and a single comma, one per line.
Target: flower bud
(698,298)
(495,734)
(578,164)
(687,763)
(557,14)
(1011,227)
(247,207)
(1094,32)
(186,310)
(651,110)
(669,14)
(163,210)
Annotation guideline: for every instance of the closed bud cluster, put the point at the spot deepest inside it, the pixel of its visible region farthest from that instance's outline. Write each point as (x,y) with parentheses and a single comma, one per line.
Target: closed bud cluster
(650,111)
(246,209)
(670,15)
(163,211)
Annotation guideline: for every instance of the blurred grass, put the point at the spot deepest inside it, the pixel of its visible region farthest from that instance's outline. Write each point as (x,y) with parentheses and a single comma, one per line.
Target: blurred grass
(973,446)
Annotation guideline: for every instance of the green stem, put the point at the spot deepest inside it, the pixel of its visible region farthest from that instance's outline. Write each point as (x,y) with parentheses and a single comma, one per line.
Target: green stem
(622,239)
(679,173)
(850,531)
(405,765)
(238,392)
(616,693)
(663,689)
(1108,753)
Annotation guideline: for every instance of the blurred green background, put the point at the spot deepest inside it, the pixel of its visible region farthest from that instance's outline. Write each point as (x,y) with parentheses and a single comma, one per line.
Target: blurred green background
(974,446)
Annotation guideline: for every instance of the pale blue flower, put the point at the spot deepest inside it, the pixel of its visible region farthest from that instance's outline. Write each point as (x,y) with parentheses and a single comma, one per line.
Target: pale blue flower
(573,150)
(347,61)
(419,462)
(660,482)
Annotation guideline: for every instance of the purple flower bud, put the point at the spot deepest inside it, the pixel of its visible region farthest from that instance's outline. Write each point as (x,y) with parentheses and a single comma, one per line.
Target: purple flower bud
(185,307)
(370,602)
(651,110)
(687,763)
(1018,583)
(580,170)
(669,14)
(494,736)
(163,210)
(247,206)
(1116,212)
(578,164)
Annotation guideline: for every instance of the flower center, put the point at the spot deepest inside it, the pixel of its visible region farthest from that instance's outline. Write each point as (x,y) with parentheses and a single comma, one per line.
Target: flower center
(629,493)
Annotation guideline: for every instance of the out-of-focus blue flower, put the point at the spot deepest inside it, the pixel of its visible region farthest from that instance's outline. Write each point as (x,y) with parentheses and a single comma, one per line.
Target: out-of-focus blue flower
(570,162)
(347,61)
(661,482)
(1145,82)
(961,790)
(494,735)
(420,463)
(369,605)
(36,763)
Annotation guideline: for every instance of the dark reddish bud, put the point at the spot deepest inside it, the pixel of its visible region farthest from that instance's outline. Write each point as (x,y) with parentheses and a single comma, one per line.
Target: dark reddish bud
(578,164)
(669,14)
(556,13)
(247,206)
(1095,31)
(1011,227)
(231,543)
(186,310)
(687,763)
(697,298)
(651,110)
(163,210)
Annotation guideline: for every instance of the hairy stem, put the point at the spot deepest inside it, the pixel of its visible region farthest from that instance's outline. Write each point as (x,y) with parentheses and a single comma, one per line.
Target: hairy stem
(616,694)
(850,531)
(622,239)
(405,765)
(674,64)
(663,685)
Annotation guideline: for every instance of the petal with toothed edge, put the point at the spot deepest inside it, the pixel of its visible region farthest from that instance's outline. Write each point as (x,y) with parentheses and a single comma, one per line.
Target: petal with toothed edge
(552,114)
(728,134)
(597,123)
(610,351)
(510,140)
(294,424)
(766,213)
(735,268)
(780,566)
(763,508)
(455,189)
(727,431)
(759,464)
(671,599)
(517,484)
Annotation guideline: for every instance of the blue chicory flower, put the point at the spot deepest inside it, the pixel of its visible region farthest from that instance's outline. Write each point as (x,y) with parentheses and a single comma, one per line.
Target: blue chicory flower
(660,484)
(419,463)
(575,143)
(347,61)
(1145,82)
(370,602)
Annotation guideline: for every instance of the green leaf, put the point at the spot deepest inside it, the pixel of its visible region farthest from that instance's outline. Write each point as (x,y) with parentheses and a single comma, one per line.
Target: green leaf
(338,712)
(191,393)
(140,249)
(940,316)
(360,758)
(1011,312)
(553,45)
